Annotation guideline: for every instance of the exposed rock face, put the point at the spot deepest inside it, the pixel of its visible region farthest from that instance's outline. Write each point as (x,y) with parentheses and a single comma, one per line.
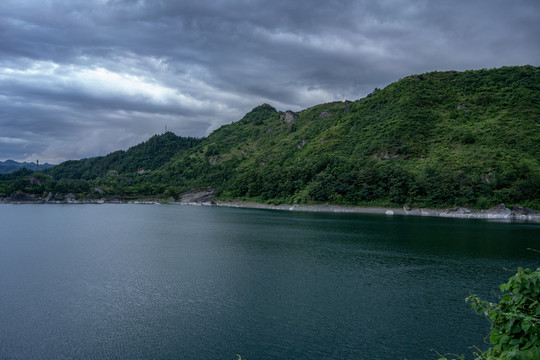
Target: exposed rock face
(288,116)
(500,210)
(347,108)
(302,143)
(325,114)
(197,196)
(385,155)
(461,210)
(462,107)
(34,180)
(523,210)
(214,161)
(59,198)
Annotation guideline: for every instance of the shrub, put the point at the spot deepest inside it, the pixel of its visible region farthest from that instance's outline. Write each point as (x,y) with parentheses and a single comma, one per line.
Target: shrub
(515,320)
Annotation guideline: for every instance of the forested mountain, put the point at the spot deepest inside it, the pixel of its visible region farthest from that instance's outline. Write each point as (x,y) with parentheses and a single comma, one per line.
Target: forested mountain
(437,139)
(147,156)
(80,176)
(9,166)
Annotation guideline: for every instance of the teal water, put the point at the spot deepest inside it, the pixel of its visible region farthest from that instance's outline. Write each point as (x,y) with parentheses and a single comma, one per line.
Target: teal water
(183,282)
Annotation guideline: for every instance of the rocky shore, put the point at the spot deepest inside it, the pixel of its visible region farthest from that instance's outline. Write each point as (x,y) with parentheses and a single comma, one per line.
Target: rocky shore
(205,197)
(500,212)
(73,199)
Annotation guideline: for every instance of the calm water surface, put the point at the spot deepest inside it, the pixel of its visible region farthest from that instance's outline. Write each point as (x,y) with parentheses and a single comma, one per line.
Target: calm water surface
(182,282)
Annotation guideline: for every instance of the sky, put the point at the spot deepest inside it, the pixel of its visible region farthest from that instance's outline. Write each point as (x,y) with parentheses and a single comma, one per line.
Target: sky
(83,78)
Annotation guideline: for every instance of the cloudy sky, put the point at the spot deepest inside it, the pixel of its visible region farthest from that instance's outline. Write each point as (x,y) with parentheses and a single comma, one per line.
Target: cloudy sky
(81,78)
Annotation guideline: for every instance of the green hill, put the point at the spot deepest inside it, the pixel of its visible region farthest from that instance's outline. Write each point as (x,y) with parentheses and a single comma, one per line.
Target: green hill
(80,176)
(436,140)
(147,156)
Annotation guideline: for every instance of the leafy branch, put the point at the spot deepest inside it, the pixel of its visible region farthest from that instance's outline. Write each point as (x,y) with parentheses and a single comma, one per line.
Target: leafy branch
(515,320)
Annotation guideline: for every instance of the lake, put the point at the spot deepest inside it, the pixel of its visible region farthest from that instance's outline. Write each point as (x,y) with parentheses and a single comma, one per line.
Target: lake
(188,282)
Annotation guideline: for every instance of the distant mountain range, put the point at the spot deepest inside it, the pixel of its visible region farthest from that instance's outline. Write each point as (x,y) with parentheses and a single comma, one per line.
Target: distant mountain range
(9,166)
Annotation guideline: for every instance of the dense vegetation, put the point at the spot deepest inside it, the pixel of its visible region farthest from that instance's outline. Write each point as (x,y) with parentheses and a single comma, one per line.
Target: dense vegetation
(515,319)
(438,139)
(112,170)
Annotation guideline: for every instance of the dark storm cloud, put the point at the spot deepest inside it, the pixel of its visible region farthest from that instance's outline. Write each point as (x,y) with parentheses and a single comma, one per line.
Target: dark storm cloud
(82,78)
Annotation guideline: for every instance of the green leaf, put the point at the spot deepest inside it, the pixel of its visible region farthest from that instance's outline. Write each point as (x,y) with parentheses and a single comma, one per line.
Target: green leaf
(504,339)
(509,325)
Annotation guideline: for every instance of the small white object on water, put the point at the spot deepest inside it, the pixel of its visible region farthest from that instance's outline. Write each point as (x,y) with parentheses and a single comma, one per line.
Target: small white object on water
(389,212)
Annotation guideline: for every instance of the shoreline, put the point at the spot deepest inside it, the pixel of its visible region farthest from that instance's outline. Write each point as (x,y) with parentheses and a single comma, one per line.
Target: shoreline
(498,213)
(325,208)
